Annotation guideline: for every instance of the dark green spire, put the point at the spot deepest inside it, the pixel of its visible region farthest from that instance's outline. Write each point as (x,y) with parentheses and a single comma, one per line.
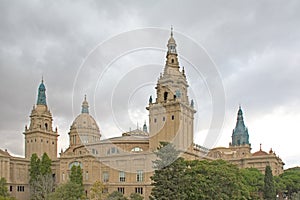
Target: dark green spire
(42,94)
(240,134)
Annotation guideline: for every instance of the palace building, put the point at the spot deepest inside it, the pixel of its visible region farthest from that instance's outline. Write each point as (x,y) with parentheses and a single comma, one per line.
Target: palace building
(124,163)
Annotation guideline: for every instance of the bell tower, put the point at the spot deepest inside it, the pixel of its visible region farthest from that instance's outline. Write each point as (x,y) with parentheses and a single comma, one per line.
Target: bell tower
(171,116)
(40,137)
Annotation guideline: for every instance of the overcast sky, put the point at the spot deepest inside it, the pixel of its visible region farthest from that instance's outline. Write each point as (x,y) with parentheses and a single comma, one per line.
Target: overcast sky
(113,51)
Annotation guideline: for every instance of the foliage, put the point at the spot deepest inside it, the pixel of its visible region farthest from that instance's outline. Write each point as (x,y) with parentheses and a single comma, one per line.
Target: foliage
(45,167)
(42,186)
(41,180)
(73,189)
(34,170)
(254,181)
(166,154)
(76,175)
(7,198)
(97,191)
(168,174)
(136,196)
(67,191)
(289,181)
(4,195)
(269,186)
(214,180)
(195,179)
(3,188)
(116,196)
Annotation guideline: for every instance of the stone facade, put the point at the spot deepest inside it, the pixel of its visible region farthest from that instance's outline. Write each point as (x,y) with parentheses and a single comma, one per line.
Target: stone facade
(124,163)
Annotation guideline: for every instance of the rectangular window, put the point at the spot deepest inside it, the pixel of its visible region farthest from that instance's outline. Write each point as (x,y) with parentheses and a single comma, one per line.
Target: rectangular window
(122,176)
(139,190)
(140,176)
(105,177)
(11,188)
(20,188)
(121,190)
(86,175)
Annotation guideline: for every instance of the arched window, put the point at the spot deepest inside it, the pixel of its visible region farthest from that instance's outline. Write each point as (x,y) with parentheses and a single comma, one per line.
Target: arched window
(46,126)
(136,149)
(165,96)
(75,163)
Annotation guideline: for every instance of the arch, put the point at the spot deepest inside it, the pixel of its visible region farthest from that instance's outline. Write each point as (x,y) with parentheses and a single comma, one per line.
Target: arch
(136,149)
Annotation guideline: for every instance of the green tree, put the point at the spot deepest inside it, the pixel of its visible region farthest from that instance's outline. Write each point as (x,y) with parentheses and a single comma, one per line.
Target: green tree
(45,166)
(34,170)
(76,175)
(136,196)
(269,187)
(215,180)
(289,181)
(4,195)
(41,180)
(168,175)
(254,181)
(116,196)
(67,191)
(3,188)
(98,191)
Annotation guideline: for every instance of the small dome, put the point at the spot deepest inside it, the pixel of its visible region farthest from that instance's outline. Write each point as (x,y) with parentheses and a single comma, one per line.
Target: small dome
(260,153)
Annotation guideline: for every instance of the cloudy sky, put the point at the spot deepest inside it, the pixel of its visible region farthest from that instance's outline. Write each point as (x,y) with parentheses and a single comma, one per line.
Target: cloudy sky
(234,52)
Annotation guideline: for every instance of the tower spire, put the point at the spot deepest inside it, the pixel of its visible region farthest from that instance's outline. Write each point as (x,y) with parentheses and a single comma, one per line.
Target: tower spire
(240,134)
(85,106)
(41,100)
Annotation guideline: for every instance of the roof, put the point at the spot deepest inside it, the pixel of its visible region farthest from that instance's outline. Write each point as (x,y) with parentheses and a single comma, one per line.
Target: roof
(260,153)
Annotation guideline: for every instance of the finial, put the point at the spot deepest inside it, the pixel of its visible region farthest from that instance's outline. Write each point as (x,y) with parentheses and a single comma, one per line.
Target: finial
(85,97)
(260,147)
(240,107)
(42,79)
(171,30)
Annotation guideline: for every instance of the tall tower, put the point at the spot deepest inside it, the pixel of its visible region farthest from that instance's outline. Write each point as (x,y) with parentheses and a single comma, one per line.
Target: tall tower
(40,137)
(240,134)
(171,116)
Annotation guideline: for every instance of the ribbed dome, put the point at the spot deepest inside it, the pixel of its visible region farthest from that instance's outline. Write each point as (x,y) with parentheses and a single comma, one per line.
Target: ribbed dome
(85,121)
(85,127)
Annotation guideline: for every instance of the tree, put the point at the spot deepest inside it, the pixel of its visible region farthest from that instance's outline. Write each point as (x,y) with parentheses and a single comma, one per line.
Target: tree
(116,196)
(76,175)
(41,180)
(4,195)
(67,191)
(214,180)
(34,170)
(136,196)
(269,187)
(73,189)
(3,188)
(254,181)
(289,181)
(168,176)
(97,191)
